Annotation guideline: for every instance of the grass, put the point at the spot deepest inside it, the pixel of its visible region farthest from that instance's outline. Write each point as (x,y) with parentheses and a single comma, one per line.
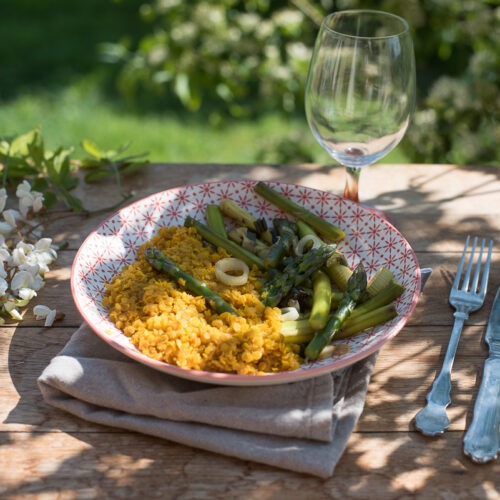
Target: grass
(52,78)
(68,115)
(71,114)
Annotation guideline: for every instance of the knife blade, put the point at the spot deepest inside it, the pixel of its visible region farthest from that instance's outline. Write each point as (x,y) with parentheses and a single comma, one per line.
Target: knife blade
(481,442)
(425,273)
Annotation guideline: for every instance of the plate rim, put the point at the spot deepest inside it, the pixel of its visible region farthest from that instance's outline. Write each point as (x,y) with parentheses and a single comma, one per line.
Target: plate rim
(220,378)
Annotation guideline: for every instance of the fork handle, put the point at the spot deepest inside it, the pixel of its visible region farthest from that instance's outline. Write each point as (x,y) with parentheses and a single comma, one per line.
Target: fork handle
(441,388)
(481,441)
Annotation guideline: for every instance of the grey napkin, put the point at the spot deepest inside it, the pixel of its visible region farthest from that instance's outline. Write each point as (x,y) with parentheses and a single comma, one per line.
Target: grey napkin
(301,426)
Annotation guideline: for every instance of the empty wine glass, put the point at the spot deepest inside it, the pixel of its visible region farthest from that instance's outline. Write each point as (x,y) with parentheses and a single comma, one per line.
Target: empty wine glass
(360,89)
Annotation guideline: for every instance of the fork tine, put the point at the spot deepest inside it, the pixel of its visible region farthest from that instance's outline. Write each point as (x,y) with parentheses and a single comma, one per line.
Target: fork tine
(465,284)
(486,273)
(475,280)
(456,281)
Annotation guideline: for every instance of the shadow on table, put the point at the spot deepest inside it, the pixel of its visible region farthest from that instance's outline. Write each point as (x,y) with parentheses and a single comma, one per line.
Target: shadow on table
(132,464)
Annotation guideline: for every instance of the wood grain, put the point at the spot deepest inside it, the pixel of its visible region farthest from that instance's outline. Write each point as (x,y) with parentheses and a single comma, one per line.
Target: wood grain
(45,453)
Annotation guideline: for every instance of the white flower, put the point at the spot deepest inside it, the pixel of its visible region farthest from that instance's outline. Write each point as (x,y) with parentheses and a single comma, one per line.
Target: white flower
(4,254)
(25,255)
(37,201)
(23,188)
(20,253)
(21,279)
(28,198)
(44,253)
(26,277)
(3,286)
(44,312)
(40,254)
(26,294)
(10,217)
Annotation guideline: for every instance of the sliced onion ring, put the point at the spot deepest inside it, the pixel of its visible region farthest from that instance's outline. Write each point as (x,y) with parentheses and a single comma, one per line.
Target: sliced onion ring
(289,314)
(231,265)
(301,245)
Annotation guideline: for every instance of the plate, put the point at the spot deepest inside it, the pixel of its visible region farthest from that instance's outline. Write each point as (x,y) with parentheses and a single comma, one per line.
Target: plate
(113,244)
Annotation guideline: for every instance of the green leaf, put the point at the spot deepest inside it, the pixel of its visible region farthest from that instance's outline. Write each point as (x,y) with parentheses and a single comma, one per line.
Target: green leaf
(20,144)
(20,171)
(97,175)
(133,167)
(74,203)
(89,163)
(37,154)
(40,184)
(92,149)
(49,199)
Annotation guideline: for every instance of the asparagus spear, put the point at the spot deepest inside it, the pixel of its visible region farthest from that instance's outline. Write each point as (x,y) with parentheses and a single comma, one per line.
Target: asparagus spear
(234,249)
(248,240)
(329,231)
(161,263)
(322,298)
(387,295)
(372,318)
(293,274)
(287,231)
(215,220)
(300,331)
(239,214)
(355,290)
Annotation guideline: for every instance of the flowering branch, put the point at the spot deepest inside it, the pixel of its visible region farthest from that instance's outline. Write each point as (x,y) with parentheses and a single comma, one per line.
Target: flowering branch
(25,255)
(44,177)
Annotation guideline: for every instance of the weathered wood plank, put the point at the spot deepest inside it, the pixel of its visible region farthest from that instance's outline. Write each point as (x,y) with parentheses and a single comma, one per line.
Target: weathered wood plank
(102,465)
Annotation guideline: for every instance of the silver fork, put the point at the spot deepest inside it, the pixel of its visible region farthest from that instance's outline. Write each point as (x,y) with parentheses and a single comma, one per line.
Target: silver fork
(432,419)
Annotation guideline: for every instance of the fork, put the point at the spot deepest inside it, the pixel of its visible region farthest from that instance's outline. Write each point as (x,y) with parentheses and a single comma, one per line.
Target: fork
(432,419)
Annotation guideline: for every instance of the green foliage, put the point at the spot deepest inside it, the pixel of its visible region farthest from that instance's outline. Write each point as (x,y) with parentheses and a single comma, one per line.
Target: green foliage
(242,57)
(102,164)
(239,57)
(457,119)
(54,173)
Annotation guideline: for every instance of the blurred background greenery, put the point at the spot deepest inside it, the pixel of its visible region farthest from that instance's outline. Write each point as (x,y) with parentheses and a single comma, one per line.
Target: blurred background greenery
(223,80)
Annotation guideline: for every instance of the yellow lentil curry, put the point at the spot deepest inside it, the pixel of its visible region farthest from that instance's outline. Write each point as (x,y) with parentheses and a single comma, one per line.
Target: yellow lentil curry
(170,324)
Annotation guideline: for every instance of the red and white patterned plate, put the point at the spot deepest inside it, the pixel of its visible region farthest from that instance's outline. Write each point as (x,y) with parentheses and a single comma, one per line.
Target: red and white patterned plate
(113,244)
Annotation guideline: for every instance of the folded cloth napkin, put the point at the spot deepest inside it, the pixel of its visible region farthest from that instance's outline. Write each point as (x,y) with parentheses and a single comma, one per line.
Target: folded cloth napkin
(301,426)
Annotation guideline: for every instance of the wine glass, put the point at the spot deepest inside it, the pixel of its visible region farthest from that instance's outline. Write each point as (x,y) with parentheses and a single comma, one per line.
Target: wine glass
(360,89)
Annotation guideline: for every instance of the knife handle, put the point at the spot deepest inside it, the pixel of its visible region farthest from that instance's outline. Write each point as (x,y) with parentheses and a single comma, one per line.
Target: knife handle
(481,442)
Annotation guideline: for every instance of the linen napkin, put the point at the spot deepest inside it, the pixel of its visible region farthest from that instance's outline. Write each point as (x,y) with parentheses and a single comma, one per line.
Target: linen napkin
(301,426)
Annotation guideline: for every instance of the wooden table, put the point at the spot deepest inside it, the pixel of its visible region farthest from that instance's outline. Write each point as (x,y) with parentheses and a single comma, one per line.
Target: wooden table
(45,453)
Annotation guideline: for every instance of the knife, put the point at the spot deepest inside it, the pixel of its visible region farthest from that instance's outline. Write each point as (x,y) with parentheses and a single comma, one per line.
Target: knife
(481,442)
(425,273)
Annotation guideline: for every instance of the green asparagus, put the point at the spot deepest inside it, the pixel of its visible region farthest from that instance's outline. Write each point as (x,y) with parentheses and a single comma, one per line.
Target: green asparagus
(228,245)
(294,273)
(370,319)
(215,221)
(161,263)
(300,331)
(325,228)
(322,299)
(355,290)
(287,231)
(239,214)
(387,295)
(248,240)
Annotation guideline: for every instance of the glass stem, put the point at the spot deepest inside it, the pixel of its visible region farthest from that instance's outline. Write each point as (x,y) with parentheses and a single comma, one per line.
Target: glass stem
(352,183)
